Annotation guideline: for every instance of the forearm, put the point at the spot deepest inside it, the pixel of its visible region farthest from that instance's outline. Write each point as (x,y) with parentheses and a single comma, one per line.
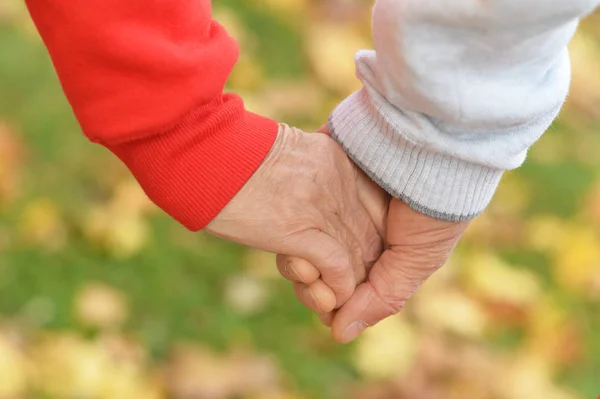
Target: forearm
(146,79)
(455,94)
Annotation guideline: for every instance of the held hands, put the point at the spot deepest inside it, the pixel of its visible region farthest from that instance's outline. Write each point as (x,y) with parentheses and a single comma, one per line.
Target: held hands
(416,245)
(330,223)
(308,201)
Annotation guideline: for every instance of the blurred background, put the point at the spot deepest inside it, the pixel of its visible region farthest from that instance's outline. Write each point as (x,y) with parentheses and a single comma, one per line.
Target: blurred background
(102,296)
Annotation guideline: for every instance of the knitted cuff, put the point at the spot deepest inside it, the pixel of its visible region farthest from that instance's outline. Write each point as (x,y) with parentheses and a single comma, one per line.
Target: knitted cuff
(436,184)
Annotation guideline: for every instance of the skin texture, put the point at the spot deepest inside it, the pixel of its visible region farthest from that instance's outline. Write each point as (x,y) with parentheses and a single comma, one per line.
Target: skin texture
(416,246)
(304,202)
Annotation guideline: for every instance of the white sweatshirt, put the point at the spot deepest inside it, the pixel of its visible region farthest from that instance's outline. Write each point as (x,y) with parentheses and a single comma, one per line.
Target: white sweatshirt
(455,93)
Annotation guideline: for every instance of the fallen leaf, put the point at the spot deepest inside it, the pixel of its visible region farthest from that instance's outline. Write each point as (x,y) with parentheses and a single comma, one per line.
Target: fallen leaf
(41,223)
(196,372)
(576,263)
(245,294)
(488,277)
(331,49)
(13,370)
(452,311)
(387,349)
(585,85)
(528,376)
(544,232)
(66,366)
(553,335)
(122,233)
(100,305)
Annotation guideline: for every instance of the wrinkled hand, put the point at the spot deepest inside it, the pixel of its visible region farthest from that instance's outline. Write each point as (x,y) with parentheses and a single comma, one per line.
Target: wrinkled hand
(416,246)
(304,202)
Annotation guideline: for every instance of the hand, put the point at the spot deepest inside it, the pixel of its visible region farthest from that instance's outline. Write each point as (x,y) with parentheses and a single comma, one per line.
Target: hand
(416,246)
(303,201)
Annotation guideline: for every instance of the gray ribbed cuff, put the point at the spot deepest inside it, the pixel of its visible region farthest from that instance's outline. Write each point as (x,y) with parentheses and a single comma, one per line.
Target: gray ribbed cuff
(436,184)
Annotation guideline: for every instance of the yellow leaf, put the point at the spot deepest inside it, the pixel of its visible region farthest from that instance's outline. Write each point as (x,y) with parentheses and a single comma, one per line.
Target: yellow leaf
(196,372)
(121,232)
(576,263)
(13,370)
(494,280)
(65,366)
(387,349)
(129,199)
(552,335)
(245,294)
(128,381)
(543,232)
(585,85)
(331,49)
(127,236)
(41,223)
(100,305)
(452,311)
(528,376)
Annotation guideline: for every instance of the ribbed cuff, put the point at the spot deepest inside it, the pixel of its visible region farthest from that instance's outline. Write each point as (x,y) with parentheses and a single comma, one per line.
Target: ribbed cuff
(433,183)
(193,170)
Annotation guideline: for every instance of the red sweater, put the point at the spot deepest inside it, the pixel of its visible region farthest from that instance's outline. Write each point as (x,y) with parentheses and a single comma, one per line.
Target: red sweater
(145,79)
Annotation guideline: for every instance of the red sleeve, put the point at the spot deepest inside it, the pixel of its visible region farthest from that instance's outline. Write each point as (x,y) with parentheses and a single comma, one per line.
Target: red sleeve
(145,78)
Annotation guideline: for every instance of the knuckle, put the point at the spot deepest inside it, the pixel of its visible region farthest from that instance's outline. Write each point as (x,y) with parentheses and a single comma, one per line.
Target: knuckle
(426,257)
(396,283)
(388,299)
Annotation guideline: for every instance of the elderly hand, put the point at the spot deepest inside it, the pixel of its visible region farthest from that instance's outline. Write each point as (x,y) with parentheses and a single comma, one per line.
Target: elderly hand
(304,202)
(416,246)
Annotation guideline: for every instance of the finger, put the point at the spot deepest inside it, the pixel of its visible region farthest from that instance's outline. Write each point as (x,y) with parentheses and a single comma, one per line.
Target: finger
(297,269)
(324,129)
(333,261)
(326,318)
(392,281)
(419,245)
(375,201)
(317,296)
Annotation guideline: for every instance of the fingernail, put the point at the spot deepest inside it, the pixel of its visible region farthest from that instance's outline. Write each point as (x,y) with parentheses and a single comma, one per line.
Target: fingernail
(293,273)
(353,330)
(315,300)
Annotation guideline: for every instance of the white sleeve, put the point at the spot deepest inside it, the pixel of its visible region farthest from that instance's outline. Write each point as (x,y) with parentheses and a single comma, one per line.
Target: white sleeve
(454,94)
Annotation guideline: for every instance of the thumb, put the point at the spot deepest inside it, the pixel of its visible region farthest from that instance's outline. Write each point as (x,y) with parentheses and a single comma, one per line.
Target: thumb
(391,283)
(418,245)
